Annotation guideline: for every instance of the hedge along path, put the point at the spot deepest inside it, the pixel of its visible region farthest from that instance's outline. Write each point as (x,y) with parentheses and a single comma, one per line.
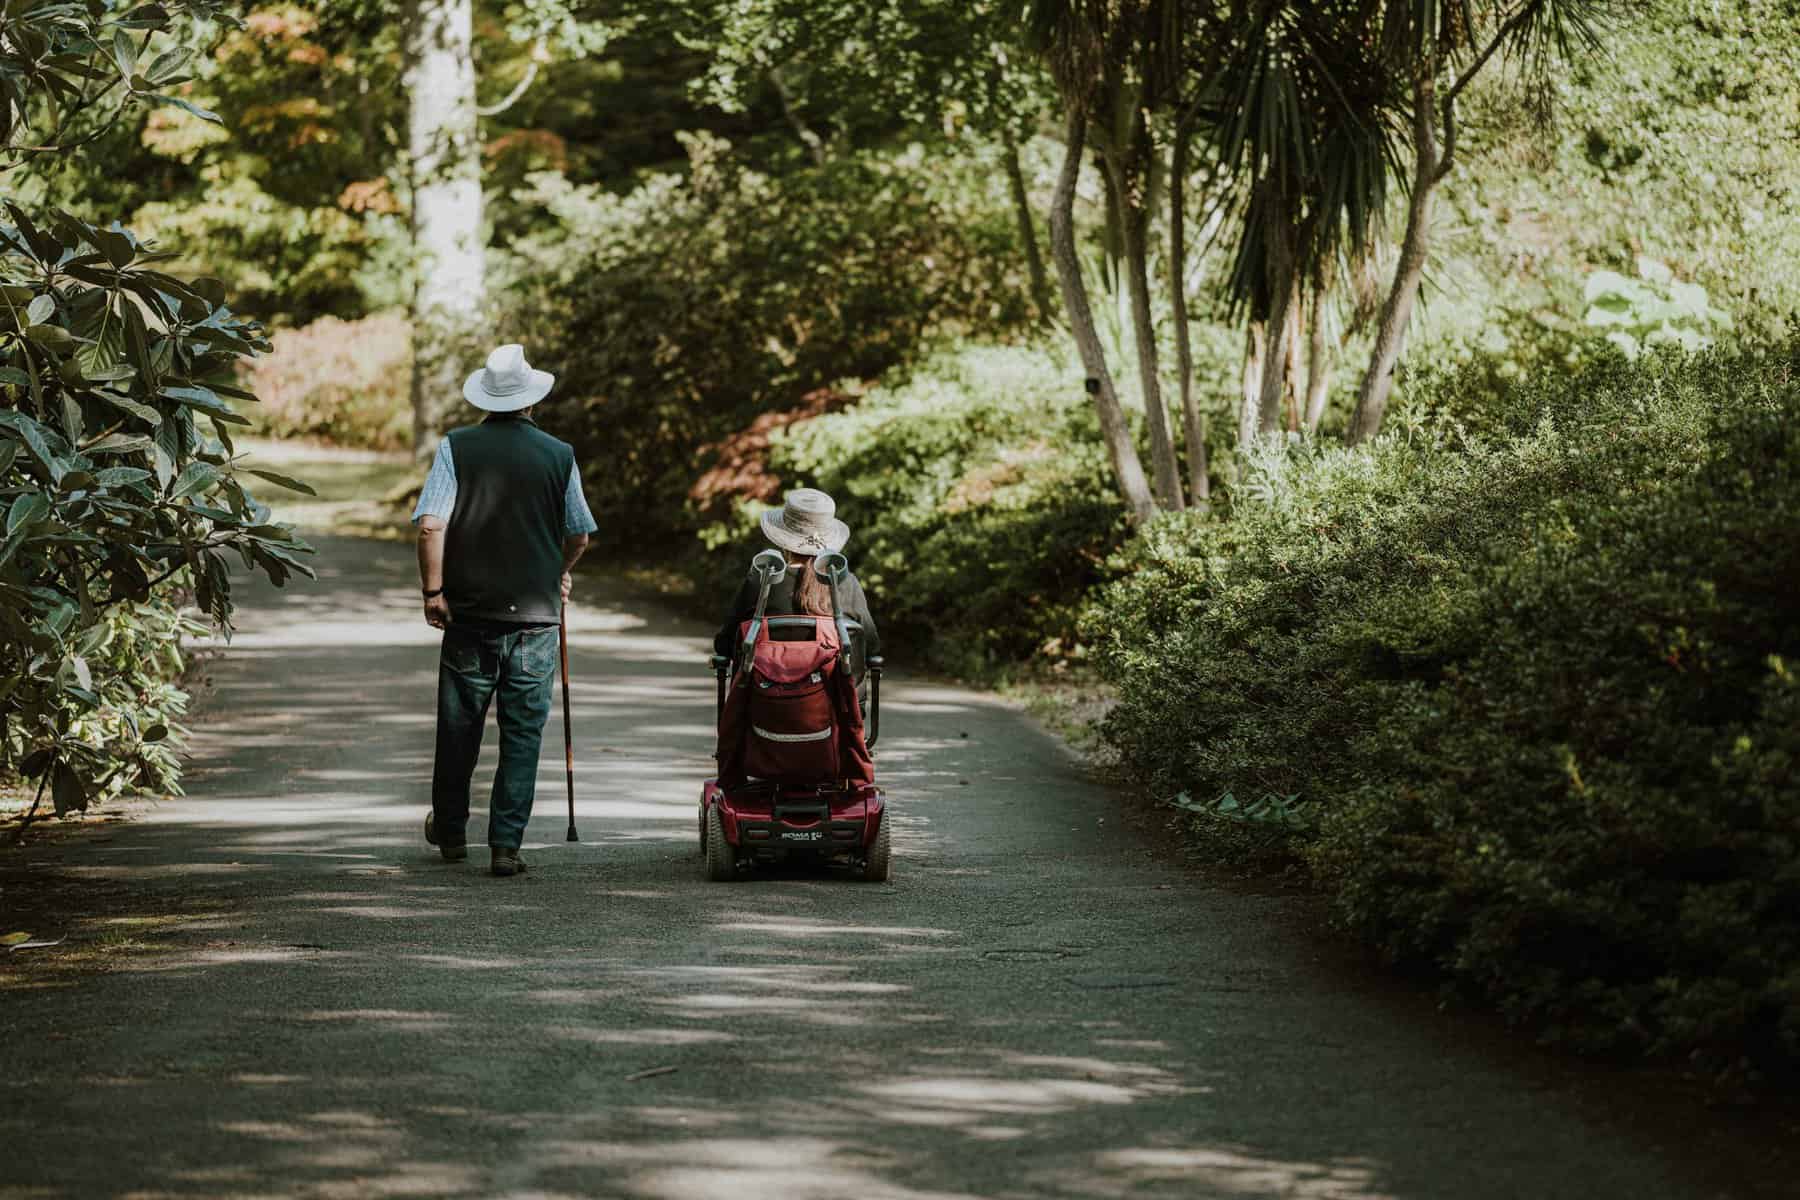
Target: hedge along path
(1036,1006)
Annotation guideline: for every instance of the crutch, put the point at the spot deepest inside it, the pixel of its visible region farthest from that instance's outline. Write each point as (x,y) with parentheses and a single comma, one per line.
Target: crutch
(770,565)
(832,567)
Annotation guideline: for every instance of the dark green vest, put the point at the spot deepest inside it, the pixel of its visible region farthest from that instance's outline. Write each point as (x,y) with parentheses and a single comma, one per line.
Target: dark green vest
(503,546)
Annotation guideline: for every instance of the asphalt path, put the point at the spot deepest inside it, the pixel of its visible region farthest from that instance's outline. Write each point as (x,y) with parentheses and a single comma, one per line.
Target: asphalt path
(1039,1004)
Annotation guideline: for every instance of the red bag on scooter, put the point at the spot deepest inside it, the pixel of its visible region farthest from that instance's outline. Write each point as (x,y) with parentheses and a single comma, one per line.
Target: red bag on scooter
(794,716)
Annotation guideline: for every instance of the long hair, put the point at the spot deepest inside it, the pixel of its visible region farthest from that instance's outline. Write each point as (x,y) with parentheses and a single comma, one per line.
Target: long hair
(811,595)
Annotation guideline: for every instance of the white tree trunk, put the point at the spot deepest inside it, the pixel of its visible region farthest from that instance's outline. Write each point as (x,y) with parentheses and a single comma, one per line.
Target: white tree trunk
(1165,470)
(1280,338)
(444,168)
(1193,423)
(1128,469)
(1318,363)
(1396,311)
(1250,391)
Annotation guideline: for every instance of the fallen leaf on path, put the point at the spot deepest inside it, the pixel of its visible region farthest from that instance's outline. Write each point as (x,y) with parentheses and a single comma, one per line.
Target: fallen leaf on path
(13,939)
(653,1071)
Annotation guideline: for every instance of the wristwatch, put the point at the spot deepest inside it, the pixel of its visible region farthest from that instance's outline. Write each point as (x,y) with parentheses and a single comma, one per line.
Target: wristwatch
(430,595)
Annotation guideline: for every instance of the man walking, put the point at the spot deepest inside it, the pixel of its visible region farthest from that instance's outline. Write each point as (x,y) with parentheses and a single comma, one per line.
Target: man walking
(501,521)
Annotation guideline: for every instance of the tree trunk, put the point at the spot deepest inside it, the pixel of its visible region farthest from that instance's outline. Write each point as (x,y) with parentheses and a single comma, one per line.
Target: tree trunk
(1396,311)
(1112,233)
(1274,376)
(1127,469)
(1290,365)
(1034,261)
(1318,363)
(1254,353)
(1165,470)
(1193,424)
(444,167)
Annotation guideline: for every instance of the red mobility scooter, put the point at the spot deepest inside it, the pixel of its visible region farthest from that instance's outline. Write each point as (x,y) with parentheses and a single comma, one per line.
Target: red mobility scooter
(796,780)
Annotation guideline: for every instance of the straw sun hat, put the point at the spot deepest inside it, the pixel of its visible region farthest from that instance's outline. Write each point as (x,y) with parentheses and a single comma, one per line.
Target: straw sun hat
(507,383)
(806,523)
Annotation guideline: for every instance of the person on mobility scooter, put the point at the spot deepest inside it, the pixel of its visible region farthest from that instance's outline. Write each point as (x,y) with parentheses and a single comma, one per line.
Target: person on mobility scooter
(798,671)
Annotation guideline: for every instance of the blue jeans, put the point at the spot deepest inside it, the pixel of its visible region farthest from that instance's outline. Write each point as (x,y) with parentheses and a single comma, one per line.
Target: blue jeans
(475,664)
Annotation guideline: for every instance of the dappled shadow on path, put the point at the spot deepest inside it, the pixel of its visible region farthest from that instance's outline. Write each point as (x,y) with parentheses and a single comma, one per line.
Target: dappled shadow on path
(320,1007)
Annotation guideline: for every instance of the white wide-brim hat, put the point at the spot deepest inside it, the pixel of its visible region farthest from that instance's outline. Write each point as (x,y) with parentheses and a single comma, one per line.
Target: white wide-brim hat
(805,523)
(507,383)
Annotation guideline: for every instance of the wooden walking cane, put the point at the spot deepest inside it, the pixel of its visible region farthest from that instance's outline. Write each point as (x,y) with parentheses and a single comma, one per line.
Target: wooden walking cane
(562,637)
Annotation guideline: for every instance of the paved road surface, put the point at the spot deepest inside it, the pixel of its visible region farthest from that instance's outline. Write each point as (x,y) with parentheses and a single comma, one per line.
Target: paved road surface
(1036,1006)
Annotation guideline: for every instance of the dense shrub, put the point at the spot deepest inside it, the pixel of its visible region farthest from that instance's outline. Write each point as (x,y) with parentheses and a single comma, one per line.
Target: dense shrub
(1534,692)
(980,499)
(678,313)
(346,382)
(121,492)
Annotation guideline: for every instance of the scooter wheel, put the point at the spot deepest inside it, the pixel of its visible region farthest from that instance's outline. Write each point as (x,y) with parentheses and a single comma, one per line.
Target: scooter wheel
(721,855)
(875,868)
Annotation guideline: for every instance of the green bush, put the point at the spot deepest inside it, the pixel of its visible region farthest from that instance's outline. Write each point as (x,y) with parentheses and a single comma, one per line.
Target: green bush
(121,497)
(347,382)
(980,499)
(678,313)
(1535,691)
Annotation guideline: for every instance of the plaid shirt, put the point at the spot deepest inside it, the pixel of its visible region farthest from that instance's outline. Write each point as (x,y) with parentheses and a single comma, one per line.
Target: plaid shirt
(438,499)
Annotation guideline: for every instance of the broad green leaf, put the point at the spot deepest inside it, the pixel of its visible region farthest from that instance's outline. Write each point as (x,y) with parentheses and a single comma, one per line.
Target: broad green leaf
(37,439)
(105,334)
(208,289)
(114,477)
(120,443)
(14,376)
(142,411)
(167,451)
(61,617)
(147,16)
(51,337)
(186,106)
(137,345)
(124,53)
(40,309)
(43,246)
(286,481)
(67,789)
(116,246)
(168,64)
(204,400)
(73,425)
(195,478)
(27,510)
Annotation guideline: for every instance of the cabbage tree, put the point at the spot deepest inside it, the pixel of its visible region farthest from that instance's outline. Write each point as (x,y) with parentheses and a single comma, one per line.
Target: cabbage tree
(1433,50)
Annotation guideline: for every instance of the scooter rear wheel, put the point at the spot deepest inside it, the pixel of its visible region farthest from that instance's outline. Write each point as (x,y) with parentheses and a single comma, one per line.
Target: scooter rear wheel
(875,868)
(721,855)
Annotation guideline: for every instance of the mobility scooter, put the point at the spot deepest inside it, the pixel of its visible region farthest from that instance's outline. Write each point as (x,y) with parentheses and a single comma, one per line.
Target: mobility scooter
(796,780)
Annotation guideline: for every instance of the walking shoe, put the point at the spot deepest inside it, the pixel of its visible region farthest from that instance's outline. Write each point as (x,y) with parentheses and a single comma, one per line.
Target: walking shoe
(507,862)
(454,853)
